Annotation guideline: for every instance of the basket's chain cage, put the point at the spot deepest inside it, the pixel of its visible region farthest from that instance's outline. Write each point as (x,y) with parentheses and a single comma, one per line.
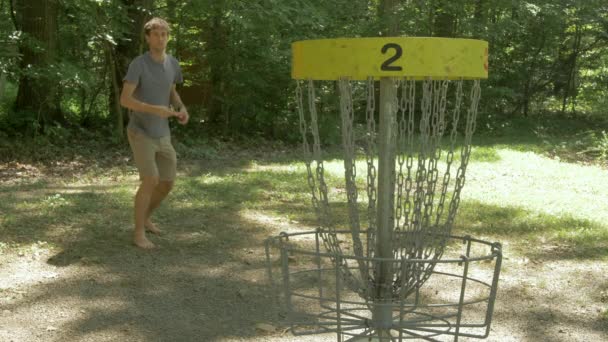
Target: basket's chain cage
(426,196)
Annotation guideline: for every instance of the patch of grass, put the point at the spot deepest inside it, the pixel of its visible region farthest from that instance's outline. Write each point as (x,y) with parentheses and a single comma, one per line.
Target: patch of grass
(536,204)
(572,139)
(535,232)
(485,154)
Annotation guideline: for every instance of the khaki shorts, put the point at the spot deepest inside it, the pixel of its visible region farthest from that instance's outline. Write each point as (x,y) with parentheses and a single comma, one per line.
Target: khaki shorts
(154,157)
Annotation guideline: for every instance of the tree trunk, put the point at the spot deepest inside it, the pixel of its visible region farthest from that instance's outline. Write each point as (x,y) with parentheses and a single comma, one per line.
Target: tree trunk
(530,87)
(217,42)
(480,18)
(445,22)
(38,88)
(115,92)
(526,99)
(389,21)
(2,83)
(175,15)
(570,86)
(126,49)
(479,10)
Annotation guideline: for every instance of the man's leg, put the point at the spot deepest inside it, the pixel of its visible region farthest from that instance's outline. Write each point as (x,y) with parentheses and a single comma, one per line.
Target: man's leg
(160,192)
(166,160)
(142,203)
(144,153)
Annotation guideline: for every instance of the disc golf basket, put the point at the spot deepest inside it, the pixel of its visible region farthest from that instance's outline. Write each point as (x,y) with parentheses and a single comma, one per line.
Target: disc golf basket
(385,266)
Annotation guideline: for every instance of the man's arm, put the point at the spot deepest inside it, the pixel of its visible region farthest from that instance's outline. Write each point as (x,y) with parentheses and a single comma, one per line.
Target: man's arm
(176,101)
(128,101)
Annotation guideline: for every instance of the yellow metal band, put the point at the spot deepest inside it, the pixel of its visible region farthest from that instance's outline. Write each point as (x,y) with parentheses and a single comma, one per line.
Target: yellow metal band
(414,57)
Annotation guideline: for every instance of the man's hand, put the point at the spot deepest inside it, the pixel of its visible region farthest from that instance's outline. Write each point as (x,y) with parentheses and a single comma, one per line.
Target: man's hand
(183,116)
(166,112)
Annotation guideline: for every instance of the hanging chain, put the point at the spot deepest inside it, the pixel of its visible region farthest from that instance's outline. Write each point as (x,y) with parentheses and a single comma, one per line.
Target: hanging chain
(465,152)
(319,193)
(450,152)
(330,240)
(439,97)
(400,151)
(370,152)
(319,188)
(418,214)
(317,155)
(405,157)
(350,169)
(419,193)
(304,131)
(411,95)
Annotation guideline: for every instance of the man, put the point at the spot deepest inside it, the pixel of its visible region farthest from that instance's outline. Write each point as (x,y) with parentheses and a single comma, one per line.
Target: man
(149,91)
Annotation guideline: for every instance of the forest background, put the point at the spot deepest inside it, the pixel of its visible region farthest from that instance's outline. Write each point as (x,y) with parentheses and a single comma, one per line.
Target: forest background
(62,62)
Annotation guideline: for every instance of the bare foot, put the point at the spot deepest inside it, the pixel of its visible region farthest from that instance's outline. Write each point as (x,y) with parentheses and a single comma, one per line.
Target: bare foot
(143,242)
(151,227)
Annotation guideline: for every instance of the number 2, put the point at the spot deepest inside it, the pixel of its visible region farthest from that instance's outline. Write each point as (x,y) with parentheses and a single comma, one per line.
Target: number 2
(386,66)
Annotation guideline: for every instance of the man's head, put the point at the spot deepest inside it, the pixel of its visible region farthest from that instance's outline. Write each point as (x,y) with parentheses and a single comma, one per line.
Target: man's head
(157,33)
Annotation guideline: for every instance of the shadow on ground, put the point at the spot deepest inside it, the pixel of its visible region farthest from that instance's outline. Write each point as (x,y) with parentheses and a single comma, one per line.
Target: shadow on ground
(206,280)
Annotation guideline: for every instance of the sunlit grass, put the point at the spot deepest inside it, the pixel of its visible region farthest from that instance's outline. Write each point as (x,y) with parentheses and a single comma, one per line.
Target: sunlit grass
(539,184)
(533,201)
(536,204)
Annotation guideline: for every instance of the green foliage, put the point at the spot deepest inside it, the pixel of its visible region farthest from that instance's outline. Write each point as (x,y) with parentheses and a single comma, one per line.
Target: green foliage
(545,57)
(15,124)
(594,144)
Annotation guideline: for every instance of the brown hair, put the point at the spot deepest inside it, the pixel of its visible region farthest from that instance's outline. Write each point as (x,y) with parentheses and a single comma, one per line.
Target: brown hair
(156,23)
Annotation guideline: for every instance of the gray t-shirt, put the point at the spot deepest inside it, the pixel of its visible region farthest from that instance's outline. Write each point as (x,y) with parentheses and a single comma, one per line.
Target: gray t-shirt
(154,81)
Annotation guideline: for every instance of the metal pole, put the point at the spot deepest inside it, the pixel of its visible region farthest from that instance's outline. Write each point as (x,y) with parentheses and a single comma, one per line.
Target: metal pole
(386,202)
(382,314)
